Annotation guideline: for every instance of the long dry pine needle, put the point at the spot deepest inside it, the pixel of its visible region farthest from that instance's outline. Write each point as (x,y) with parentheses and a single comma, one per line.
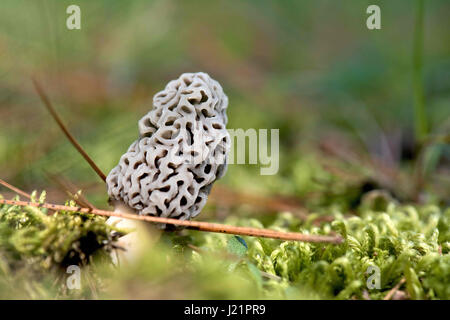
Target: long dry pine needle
(16,190)
(69,136)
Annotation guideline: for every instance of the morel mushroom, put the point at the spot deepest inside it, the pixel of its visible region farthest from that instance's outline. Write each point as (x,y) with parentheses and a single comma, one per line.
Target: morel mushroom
(181,151)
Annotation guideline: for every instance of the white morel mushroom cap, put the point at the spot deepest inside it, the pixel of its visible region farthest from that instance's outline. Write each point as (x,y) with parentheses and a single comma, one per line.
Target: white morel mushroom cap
(181,151)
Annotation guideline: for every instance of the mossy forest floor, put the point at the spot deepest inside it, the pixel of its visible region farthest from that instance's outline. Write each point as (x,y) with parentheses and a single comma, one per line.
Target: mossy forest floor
(408,245)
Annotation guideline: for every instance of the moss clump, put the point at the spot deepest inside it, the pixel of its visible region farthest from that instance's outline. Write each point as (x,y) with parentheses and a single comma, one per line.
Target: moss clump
(402,242)
(38,245)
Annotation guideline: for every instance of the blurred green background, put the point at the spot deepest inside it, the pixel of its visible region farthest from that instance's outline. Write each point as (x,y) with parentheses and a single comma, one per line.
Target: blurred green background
(341,95)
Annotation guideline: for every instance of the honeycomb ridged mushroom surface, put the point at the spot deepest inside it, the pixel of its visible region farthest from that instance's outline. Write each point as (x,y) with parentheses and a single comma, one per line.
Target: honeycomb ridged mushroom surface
(181,150)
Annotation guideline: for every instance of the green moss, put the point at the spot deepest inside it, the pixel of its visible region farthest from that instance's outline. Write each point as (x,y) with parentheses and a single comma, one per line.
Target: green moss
(407,242)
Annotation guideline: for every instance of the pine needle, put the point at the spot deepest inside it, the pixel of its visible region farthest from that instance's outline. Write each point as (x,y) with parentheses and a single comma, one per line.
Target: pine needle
(391,293)
(69,136)
(72,191)
(16,190)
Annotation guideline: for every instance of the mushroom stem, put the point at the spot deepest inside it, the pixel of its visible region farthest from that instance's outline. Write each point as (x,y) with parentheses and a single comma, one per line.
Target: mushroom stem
(193,225)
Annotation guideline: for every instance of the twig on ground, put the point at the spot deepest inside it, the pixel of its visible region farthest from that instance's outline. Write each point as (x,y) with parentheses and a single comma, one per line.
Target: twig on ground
(391,292)
(193,225)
